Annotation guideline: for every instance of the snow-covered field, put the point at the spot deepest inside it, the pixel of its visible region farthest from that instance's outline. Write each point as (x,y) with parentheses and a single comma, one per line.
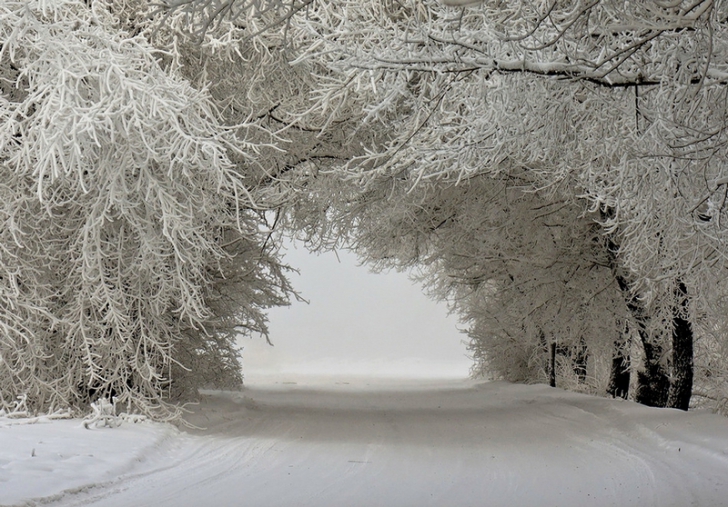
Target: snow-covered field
(362,443)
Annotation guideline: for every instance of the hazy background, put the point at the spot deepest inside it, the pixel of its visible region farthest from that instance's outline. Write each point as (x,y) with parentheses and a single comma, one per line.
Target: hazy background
(357,324)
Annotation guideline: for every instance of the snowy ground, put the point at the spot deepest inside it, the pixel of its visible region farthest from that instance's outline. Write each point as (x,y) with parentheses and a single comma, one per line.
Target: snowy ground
(352,444)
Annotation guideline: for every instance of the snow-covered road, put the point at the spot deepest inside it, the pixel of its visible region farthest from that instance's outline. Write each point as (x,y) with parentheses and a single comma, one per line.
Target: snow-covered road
(479,444)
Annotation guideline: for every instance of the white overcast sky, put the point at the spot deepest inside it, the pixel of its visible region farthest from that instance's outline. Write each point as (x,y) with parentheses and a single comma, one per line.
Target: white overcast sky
(357,323)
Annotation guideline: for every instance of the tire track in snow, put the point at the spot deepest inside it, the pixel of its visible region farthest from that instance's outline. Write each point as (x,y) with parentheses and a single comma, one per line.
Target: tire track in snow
(659,462)
(494,445)
(199,463)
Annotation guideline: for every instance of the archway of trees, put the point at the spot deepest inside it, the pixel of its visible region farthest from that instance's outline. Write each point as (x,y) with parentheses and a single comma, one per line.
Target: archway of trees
(556,169)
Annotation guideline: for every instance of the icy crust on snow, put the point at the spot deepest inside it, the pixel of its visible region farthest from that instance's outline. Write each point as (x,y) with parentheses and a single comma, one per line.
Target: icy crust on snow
(43,458)
(361,442)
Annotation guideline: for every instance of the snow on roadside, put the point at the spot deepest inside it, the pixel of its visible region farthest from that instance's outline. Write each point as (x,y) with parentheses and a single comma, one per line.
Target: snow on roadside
(43,458)
(361,442)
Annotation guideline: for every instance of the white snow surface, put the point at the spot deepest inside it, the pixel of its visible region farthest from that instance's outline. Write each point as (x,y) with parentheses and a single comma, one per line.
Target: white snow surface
(366,443)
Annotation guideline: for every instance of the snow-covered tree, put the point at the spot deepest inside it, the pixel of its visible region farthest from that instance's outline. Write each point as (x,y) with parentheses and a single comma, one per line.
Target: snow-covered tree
(554,168)
(131,248)
(522,270)
(618,104)
(616,108)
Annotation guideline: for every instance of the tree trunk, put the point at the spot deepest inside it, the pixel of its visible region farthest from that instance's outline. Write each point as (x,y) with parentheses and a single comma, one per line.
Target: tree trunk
(653,383)
(552,364)
(619,372)
(681,388)
(580,360)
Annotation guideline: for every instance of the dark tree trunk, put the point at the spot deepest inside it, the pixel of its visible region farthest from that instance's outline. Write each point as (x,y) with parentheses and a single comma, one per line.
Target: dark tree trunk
(580,360)
(653,383)
(681,388)
(552,364)
(619,373)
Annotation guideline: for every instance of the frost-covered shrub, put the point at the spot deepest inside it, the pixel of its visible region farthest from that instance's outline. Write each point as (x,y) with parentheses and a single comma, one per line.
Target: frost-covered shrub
(130,250)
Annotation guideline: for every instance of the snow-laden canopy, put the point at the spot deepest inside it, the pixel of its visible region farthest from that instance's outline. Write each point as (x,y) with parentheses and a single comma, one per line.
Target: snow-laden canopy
(130,247)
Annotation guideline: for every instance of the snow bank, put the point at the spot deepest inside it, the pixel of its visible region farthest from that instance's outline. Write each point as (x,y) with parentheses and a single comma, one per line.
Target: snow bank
(43,459)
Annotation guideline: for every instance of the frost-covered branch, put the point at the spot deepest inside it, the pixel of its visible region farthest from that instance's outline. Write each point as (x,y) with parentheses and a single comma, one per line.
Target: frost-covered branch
(121,193)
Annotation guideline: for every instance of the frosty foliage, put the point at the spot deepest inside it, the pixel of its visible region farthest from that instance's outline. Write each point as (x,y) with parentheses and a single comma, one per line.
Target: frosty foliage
(611,112)
(103,415)
(130,248)
(257,17)
(571,92)
(522,269)
(553,169)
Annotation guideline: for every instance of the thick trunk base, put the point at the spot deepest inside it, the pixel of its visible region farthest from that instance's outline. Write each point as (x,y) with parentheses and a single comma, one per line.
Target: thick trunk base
(552,364)
(618,386)
(652,387)
(681,387)
(581,361)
